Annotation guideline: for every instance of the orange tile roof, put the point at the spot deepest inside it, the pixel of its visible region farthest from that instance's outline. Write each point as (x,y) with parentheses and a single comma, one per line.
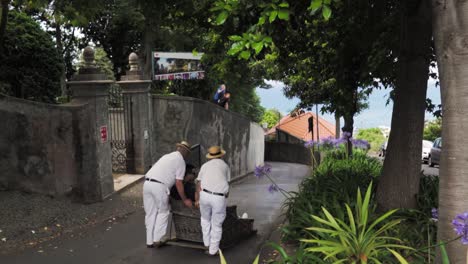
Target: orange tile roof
(298,126)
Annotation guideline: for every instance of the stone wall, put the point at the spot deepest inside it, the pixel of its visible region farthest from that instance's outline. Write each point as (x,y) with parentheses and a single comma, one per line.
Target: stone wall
(38,147)
(200,122)
(53,150)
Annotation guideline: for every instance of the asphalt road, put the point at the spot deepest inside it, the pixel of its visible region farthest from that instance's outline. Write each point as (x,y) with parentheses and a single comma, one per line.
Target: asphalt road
(430,171)
(425,168)
(123,240)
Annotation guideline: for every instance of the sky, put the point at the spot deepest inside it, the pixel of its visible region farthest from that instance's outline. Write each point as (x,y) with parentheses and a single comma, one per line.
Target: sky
(378,113)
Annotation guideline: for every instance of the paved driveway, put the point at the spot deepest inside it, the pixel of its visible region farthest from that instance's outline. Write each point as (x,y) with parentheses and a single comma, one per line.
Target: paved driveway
(123,240)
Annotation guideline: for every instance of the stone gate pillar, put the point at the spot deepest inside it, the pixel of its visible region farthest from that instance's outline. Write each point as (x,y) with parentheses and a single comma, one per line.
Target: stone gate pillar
(136,87)
(90,89)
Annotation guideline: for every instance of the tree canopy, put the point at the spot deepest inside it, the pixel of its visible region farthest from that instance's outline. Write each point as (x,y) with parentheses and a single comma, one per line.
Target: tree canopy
(335,62)
(433,129)
(271,117)
(31,66)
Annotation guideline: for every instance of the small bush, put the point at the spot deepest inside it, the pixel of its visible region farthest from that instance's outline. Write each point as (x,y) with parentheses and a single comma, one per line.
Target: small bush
(333,183)
(374,136)
(428,196)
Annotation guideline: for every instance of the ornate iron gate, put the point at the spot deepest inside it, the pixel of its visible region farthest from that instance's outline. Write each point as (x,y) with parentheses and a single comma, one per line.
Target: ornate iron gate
(121,131)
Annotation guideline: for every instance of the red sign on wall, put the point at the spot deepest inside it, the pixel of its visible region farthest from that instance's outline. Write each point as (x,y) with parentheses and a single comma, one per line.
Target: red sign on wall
(103,134)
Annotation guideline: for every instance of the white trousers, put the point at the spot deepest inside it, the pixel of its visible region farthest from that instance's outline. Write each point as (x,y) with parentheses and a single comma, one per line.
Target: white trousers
(157,209)
(213,213)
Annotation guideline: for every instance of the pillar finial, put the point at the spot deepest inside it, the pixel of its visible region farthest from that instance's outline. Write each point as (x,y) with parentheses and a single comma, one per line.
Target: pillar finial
(88,57)
(133,62)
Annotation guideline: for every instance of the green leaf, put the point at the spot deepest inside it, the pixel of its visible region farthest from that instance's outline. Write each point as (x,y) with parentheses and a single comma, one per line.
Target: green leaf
(245,55)
(235,38)
(284,4)
(221,18)
(279,249)
(283,14)
(326,12)
(235,48)
(315,5)
(444,255)
(273,15)
(256,259)
(398,256)
(221,257)
(258,46)
(261,21)
(352,224)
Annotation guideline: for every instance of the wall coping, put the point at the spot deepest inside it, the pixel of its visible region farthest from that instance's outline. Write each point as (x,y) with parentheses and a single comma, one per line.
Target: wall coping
(67,106)
(200,101)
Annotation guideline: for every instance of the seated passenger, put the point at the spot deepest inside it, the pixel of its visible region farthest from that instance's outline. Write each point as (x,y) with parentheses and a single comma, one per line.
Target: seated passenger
(189,184)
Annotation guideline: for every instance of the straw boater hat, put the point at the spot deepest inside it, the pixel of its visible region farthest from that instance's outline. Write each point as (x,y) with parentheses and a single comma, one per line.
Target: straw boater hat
(184,144)
(215,152)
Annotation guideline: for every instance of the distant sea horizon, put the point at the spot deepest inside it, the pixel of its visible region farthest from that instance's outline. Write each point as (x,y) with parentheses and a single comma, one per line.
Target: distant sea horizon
(378,114)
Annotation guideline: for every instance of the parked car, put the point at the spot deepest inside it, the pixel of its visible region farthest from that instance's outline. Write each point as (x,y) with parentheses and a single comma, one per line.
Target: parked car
(434,155)
(426,150)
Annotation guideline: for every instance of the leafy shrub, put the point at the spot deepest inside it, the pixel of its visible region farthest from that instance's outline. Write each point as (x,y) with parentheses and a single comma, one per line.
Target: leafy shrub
(332,184)
(30,65)
(433,130)
(374,136)
(359,239)
(428,196)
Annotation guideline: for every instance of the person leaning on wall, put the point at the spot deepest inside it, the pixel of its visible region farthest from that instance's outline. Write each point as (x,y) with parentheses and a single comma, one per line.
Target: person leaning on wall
(224,101)
(219,93)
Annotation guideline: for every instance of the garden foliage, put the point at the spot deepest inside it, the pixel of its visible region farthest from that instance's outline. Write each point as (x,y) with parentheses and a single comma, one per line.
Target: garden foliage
(332,184)
(321,201)
(374,136)
(359,238)
(30,64)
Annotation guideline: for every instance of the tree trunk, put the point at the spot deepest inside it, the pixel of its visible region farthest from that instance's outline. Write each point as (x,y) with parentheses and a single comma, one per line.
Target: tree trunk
(451,43)
(147,50)
(149,39)
(399,182)
(59,43)
(349,127)
(337,125)
(3,22)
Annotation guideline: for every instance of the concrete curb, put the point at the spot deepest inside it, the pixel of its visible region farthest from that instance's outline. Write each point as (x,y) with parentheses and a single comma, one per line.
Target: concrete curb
(131,184)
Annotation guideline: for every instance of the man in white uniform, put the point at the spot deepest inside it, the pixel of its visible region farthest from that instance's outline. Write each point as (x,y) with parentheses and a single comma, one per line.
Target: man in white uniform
(212,191)
(167,171)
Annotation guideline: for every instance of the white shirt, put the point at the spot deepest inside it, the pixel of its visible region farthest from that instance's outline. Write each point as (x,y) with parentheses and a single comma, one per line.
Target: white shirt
(214,176)
(168,168)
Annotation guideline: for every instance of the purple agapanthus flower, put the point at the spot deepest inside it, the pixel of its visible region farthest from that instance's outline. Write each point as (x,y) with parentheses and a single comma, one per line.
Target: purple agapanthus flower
(273,188)
(435,214)
(460,225)
(327,142)
(339,141)
(261,171)
(331,142)
(346,135)
(310,144)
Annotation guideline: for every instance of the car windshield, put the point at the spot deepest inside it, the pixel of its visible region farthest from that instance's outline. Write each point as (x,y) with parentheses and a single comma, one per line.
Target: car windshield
(427,144)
